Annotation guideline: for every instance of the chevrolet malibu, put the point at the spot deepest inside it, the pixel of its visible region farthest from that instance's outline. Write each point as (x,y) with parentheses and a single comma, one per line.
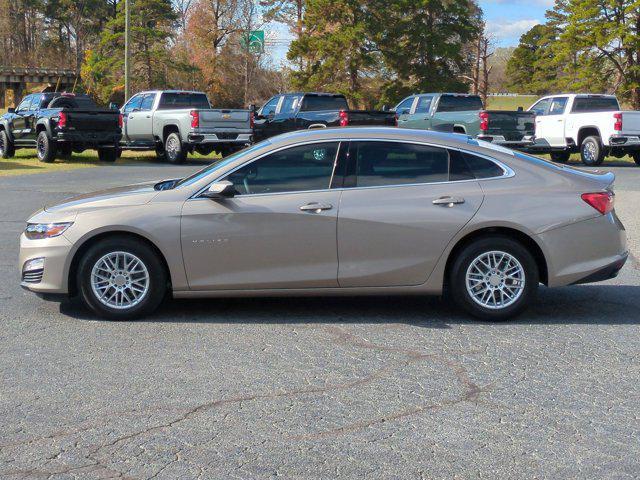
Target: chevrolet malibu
(355,211)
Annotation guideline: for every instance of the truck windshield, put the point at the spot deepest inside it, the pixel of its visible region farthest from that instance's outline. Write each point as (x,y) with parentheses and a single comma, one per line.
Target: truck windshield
(595,104)
(175,100)
(314,103)
(459,103)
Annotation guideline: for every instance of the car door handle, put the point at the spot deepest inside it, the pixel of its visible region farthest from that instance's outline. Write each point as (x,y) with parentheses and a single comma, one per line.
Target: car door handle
(316,207)
(448,201)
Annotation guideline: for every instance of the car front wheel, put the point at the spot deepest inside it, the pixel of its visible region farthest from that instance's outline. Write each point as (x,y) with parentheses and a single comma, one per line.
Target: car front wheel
(7,149)
(494,278)
(121,279)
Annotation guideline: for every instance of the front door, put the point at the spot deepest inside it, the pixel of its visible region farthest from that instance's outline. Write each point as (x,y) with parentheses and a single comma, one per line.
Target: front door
(420,117)
(550,126)
(278,231)
(19,121)
(264,125)
(404,110)
(129,111)
(399,215)
(140,120)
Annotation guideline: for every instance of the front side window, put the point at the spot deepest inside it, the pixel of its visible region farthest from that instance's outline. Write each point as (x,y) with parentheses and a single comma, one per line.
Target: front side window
(393,163)
(295,169)
(24,104)
(35,102)
(405,105)
(424,105)
(270,106)
(133,104)
(541,107)
(558,105)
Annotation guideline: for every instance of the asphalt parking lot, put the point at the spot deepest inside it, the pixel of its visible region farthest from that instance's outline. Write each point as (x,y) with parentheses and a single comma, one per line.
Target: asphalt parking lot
(393,388)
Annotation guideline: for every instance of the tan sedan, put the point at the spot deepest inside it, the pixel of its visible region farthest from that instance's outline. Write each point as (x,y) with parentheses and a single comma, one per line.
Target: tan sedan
(366,211)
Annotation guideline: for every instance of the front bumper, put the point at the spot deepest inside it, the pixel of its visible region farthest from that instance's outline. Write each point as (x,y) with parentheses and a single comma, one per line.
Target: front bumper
(90,138)
(524,142)
(57,253)
(221,137)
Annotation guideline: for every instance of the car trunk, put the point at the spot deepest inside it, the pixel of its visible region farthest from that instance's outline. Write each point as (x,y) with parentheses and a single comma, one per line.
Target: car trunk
(513,126)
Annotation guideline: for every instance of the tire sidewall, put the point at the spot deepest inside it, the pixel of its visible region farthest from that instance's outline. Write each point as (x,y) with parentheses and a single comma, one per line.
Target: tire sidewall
(599,151)
(49,154)
(6,148)
(157,278)
(457,280)
(179,156)
(636,158)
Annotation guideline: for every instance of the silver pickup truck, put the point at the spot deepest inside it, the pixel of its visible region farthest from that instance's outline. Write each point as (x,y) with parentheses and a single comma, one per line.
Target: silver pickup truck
(175,123)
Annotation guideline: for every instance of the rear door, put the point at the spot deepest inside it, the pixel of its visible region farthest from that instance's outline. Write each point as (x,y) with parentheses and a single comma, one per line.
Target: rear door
(284,120)
(140,121)
(398,212)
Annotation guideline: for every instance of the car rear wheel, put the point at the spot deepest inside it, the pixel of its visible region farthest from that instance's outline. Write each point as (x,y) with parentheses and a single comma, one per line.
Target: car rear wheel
(108,154)
(636,158)
(121,279)
(560,157)
(174,151)
(45,148)
(494,278)
(7,149)
(592,151)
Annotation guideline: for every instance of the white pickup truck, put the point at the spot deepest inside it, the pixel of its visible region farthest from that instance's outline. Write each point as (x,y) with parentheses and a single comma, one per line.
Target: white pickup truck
(175,123)
(590,124)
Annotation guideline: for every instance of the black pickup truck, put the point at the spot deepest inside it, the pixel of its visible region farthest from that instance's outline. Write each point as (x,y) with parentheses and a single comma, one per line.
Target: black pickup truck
(59,124)
(300,111)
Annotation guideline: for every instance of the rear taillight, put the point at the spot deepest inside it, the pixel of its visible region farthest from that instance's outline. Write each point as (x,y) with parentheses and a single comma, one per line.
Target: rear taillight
(344,118)
(617,126)
(601,201)
(120,121)
(195,118)
(484,120)
(252,119)
(62,120)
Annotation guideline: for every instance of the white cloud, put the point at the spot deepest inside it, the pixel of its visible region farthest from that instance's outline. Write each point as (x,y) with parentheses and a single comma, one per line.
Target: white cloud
(510,30)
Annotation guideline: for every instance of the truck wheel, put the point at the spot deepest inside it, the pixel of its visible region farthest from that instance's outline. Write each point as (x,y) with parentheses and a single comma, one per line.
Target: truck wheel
(45,148)
(65,150)
(161,155)
(174,151)
(107,154)
(636,158)
(7,150)
(592,151)
(560,157)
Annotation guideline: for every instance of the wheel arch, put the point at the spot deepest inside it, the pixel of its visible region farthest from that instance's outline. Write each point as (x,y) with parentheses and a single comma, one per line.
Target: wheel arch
(518,235)
(168,129)
(587,131)
(91,240)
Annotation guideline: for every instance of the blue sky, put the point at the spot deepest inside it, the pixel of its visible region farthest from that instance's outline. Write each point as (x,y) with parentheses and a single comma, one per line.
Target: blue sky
(506,21)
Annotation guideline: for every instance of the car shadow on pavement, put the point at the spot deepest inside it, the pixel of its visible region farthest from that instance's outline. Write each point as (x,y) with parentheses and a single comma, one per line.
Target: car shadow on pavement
(585,304)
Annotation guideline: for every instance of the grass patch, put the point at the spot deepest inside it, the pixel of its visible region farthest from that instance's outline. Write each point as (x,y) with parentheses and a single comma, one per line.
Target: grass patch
(511,103)
(26,162)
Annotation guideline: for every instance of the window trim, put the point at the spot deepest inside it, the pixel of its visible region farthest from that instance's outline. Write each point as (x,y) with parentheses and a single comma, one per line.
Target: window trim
(507,171)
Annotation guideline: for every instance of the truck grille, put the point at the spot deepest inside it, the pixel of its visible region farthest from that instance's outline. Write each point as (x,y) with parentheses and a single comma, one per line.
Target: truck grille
(227,136)
(33,276)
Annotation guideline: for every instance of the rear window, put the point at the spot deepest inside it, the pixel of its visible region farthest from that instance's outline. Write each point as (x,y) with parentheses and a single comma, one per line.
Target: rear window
(459,103)
(323,102)
(175,100)
(595,104)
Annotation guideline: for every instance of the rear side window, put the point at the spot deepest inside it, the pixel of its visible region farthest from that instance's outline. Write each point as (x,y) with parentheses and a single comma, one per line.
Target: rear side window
(459,103)
(175,100)
(594,104)
(480,167)
(289,104)
(147,102)
(393,163)
(312,103)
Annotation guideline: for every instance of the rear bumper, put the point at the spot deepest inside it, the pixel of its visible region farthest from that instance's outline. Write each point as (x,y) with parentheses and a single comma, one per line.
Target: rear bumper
(586,251)
(90,138)
(526,141)
(221,137)
(625,142)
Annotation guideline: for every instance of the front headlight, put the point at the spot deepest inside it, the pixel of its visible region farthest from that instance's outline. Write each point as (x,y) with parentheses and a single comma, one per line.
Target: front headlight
(38,231)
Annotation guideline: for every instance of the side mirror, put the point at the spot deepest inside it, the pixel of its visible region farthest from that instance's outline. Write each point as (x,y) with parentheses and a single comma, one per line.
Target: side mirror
(11,110)
(220,190)
(114,106)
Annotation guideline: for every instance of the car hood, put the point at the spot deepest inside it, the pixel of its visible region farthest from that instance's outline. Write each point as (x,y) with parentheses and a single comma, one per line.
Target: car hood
(129,195)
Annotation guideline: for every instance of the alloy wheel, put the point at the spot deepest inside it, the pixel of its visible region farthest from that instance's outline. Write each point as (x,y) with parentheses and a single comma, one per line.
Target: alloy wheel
(120,280)
(495,280)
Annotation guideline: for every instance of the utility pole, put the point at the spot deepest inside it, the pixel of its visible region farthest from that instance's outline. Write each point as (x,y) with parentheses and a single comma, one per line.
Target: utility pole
(127,63)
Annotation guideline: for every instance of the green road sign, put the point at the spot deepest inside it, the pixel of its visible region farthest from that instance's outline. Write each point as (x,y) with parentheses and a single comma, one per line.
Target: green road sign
(255,41)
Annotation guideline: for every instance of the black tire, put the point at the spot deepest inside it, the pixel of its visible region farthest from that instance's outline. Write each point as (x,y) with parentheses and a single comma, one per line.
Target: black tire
(157,285)
(173,148)
(46,149)
(7,150)
(161,156)
(560,157)
(109,155)
(592,151)
(65,150)
(462,262)
(636,158)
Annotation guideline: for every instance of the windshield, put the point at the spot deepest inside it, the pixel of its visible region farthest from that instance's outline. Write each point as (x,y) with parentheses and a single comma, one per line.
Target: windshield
(200,174)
